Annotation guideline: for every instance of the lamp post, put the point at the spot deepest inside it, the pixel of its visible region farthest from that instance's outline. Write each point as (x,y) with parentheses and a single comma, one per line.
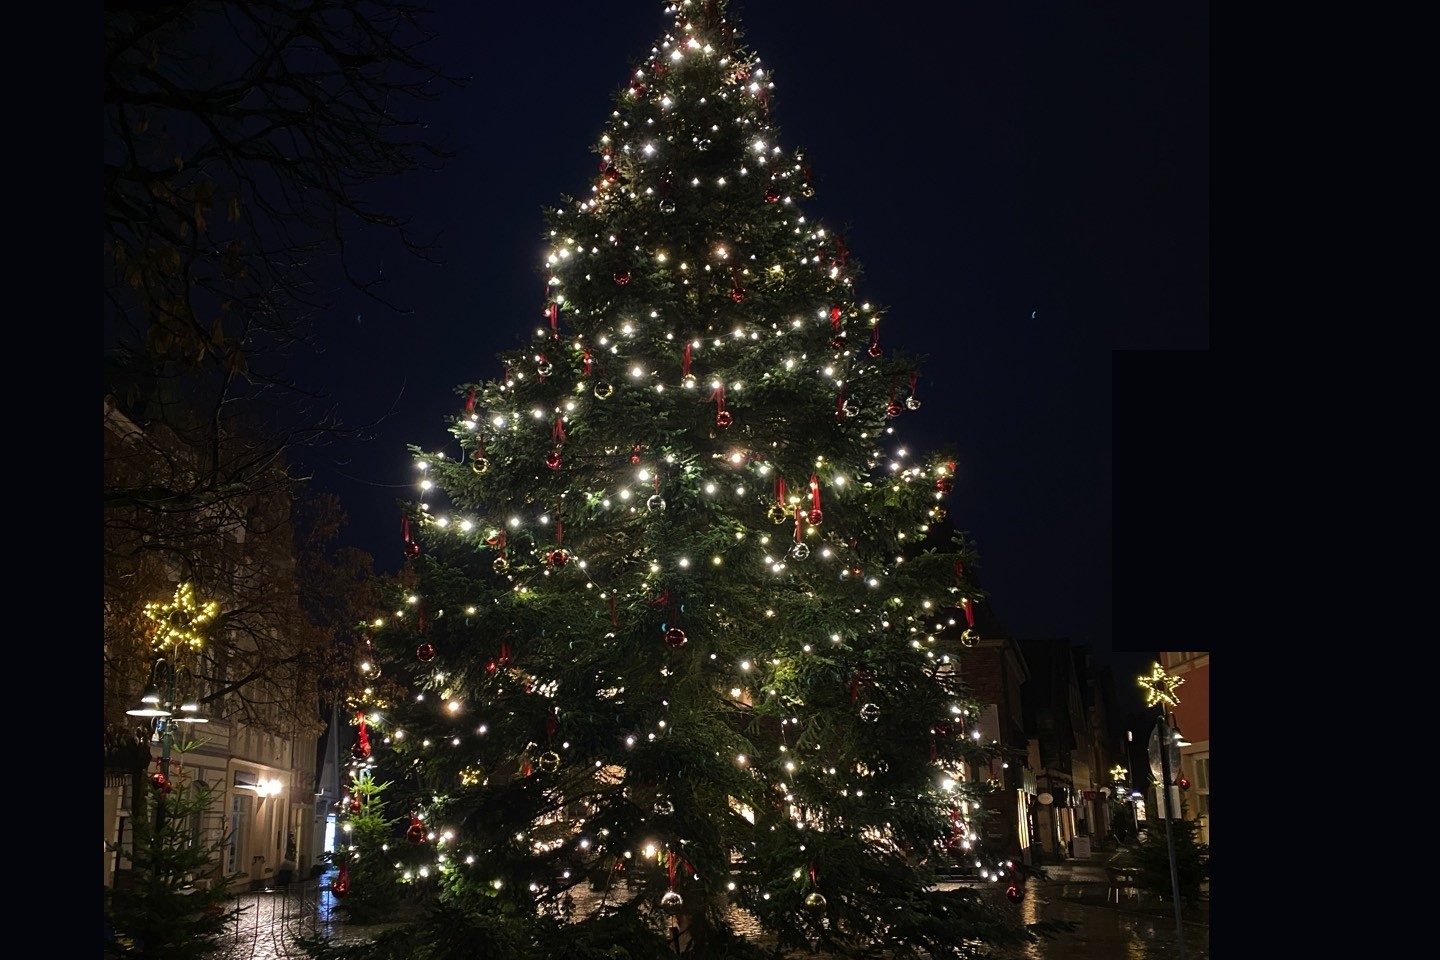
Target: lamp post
(179,627)
(1119,800)
(165,708)
(1160,690)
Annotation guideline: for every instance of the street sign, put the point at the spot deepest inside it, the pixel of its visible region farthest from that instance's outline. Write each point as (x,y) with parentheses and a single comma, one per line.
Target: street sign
(1154,751)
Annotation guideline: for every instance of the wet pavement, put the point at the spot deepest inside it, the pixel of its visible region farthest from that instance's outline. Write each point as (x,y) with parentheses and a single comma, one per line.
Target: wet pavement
(1106,931)
(1135,929)
(271,921)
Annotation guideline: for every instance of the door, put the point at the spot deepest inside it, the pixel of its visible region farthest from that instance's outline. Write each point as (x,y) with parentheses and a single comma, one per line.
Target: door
(236,860)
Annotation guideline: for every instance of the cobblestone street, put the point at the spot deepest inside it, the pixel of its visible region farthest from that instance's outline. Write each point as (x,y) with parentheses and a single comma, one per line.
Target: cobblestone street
(271,922)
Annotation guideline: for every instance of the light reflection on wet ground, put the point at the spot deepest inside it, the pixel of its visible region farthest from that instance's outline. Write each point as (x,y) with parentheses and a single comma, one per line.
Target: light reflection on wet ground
(271,922)
(1105,932)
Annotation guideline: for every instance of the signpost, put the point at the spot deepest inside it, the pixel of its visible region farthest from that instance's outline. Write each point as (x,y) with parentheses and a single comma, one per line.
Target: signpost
(1165,752)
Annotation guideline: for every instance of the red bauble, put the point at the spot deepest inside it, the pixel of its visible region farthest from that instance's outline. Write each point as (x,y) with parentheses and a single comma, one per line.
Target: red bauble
(558,558)
(737,294)
(622,277)
(875,350)
(160,782)
(943,484)
(411,549)
(425,652)
(771,195)
(637,88)
(552,459)
(611,174)
(815,516)
(355,804)
(341,886)
(839,342)
(1015,893)
(893,410)
(1183,783)
(723,419)
(361,750)
(675,638)
(416,833)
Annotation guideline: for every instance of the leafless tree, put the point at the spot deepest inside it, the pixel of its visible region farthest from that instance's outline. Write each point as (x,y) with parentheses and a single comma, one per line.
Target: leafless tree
(289,598)
(244,143)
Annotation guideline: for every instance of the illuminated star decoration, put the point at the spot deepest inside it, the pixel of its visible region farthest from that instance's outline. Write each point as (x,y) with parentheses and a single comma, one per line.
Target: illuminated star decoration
(181,621)
(1118,772)
(1160,687)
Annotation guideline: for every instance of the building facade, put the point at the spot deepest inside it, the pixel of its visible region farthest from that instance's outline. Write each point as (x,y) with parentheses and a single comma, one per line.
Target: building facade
(994,672)
(263,811)
(1062,706)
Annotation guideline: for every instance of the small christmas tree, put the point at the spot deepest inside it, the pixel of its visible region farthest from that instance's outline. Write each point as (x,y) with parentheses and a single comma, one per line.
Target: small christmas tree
(682,637)
(1192,860)
(172,903)
(366,887)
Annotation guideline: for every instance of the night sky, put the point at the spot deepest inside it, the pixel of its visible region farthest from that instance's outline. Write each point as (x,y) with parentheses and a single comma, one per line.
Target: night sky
(1025,185)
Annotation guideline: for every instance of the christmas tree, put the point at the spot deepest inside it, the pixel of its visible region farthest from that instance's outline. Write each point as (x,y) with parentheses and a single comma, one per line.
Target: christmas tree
(683,631)
(173,904)
(365,885)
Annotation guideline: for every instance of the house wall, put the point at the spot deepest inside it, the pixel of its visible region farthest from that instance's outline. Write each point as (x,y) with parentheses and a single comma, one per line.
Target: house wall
(226,754)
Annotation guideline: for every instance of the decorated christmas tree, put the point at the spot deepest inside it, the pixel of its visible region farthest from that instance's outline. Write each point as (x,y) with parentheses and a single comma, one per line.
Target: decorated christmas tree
(685,630)
(365,885)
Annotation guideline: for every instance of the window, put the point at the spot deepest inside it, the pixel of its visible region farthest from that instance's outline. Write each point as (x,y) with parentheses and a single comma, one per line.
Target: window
(1202,785)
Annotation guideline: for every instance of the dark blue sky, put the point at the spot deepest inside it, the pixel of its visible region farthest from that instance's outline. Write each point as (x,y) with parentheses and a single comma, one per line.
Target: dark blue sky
(1025,185)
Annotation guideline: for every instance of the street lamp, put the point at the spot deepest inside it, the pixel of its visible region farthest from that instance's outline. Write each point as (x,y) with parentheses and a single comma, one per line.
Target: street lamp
(164,708)
(179,627)
(1160,691)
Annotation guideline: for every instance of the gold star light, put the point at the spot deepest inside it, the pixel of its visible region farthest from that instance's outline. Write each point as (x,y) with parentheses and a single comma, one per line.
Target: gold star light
(181,621)
(1160,687)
